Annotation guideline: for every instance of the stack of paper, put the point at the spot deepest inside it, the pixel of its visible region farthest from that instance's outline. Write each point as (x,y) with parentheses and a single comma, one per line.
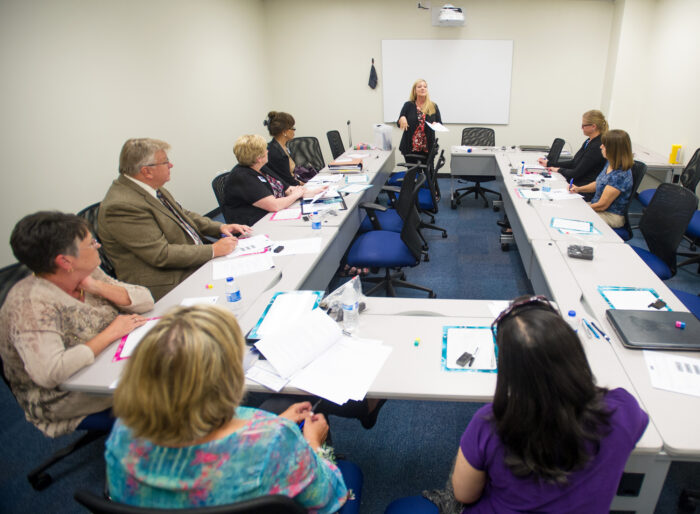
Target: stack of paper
(345,165)
(312,353)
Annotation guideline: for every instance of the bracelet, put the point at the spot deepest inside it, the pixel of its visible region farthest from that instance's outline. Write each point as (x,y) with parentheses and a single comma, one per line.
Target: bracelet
(326,452)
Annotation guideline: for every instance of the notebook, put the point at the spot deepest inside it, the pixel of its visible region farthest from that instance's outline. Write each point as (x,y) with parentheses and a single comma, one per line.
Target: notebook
(655,329)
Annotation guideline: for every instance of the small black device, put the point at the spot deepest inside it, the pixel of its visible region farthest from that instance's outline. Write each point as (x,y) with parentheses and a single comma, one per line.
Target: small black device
(580,252)
(465,358)
(278,249)
(305,218)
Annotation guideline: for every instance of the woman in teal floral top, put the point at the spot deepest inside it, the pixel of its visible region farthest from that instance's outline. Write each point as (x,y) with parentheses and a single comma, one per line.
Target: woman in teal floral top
(181,440)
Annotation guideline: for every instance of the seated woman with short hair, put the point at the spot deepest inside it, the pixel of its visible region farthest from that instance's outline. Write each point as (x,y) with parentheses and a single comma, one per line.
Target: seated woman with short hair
(613,186)
(551,441)
(182,440)
(57,320)
(250,191)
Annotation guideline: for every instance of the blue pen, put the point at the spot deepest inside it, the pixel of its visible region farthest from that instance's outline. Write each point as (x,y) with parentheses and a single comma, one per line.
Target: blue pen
(313,408)
(571,183)
(591,329)
(605,336)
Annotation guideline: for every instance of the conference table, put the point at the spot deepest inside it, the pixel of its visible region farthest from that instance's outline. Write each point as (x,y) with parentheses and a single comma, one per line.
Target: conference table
(414,371)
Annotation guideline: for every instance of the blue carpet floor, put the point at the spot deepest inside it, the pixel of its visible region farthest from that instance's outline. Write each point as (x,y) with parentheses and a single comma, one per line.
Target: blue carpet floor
(413,444)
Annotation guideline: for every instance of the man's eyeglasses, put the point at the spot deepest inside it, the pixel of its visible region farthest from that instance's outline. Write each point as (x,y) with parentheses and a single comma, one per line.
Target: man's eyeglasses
(532,300)
(156,164)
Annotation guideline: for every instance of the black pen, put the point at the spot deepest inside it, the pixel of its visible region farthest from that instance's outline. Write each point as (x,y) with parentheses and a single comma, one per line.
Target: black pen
(605,336)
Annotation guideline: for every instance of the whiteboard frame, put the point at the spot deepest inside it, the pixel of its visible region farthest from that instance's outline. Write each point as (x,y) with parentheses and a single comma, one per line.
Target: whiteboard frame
(469,79)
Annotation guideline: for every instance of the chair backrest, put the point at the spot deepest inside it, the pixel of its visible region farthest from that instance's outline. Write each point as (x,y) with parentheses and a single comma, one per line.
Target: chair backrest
(90,213)
(273,504)
(665,220)
(555,150)
(406,199)
(218,186)
(409,232)
(336,143)
(478,136)
(431,176)
(639,169)
(9,276)
(691,173)
(306,151)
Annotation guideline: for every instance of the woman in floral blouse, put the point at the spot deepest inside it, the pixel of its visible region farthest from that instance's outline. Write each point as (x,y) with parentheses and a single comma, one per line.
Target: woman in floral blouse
(417,137)
(57,320)
(182,440)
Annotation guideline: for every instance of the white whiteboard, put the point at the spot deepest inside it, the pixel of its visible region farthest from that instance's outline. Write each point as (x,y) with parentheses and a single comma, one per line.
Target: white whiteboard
(468,79)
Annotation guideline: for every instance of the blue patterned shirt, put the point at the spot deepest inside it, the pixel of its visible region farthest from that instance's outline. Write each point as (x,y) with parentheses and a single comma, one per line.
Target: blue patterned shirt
(269,455)
(620,180)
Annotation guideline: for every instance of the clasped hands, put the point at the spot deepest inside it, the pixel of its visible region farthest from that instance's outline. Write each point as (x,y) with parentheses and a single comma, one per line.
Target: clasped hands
(315,425)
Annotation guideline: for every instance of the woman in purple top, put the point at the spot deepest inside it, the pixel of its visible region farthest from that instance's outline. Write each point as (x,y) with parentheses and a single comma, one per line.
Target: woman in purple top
(551,441)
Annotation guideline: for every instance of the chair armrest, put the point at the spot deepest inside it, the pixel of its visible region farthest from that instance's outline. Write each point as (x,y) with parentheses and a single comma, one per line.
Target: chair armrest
(372,209)
(412,164)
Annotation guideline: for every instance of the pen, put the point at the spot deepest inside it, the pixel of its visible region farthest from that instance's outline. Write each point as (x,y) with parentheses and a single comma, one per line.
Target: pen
(571,183)
(471,361)
(585,329)
(313,408)
(605,336)
(588,326)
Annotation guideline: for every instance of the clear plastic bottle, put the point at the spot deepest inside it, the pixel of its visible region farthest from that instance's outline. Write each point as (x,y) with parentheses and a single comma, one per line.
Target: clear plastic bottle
(315,221)
(351,310)
(572,319)
(234,300)
(522,167)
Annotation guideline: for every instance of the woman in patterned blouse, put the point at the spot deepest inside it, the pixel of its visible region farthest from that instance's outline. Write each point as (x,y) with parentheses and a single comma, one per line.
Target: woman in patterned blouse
(182,440)
(57,320)
(613,187)
(417,138)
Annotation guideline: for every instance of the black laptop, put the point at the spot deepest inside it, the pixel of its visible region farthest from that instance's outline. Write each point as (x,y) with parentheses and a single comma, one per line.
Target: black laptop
(655,330)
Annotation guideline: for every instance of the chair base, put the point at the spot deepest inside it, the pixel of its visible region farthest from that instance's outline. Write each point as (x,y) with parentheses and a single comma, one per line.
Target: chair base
(38,477)
(392,280)
(430,226)
(478,191)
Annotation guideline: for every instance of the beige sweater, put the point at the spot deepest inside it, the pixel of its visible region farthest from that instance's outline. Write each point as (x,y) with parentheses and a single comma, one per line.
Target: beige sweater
(42,331)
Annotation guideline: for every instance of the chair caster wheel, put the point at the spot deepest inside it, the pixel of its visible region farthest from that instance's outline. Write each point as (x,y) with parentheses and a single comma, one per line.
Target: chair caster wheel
(41,481)
(432,295)
(403,276)
(504,247)
(426,258)
(453,204)
(444,235)
(496,208)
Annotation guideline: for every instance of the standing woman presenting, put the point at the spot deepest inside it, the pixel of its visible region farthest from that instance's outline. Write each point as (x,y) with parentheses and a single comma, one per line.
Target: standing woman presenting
(417,138)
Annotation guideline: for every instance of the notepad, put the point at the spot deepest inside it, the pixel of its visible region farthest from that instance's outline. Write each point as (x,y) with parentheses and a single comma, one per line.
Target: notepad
(631,298)
(283,307)
(130,341)
(476,340)
(584,227)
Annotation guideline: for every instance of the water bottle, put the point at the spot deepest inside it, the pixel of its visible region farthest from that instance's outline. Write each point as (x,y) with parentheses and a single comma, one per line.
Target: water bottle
(351,310)
(233,297)
(572,319)
(315,221)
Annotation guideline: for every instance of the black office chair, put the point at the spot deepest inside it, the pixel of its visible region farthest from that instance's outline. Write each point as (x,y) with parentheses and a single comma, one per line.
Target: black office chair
(306,151)
(90,215)
(639,169)
(663,223)
(336,143)
(217,184)
(690,177)
(273,504)
(555,150)
(38,478)
(429,197)
(392,250)
(475,136)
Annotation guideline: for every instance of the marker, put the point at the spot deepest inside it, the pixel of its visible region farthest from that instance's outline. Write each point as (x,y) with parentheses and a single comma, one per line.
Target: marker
(586,329)
(313,408)
(680,324)
(416,341)
(209,286)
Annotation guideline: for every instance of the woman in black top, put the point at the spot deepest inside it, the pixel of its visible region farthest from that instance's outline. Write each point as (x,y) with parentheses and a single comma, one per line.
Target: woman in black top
(588,161)
(280,162)
(250,191)
(417,138)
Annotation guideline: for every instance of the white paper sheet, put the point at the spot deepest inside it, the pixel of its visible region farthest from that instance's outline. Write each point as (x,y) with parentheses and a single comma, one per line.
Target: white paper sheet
(264,374)
(560,194)
(242,266)
(354,188)
(497,307)
(460,340)
(325,179)
(286,306)
(297,246)
(630,299)
(342,160)
(199,300)
(295,344)
(293,213)
(356,179)
(134,338)
(573,225)
(250,245)
(437,127)
(673,372)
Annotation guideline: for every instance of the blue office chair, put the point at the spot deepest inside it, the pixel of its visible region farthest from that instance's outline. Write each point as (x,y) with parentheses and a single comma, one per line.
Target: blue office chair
(392,250)
(639,169)
(691,301)
(689,179)
(663,223)
(475,136)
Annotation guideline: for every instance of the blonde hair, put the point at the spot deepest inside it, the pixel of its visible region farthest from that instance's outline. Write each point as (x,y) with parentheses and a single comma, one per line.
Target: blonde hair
(618,149)
(185,379)
(137,152)
(428,107)
(249,148)
(596,118)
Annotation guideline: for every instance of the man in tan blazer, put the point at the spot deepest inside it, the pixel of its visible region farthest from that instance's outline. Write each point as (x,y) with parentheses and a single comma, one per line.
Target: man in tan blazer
(151,240)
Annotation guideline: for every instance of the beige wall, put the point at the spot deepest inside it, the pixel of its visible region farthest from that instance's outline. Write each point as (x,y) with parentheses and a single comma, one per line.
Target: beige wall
(80,77)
